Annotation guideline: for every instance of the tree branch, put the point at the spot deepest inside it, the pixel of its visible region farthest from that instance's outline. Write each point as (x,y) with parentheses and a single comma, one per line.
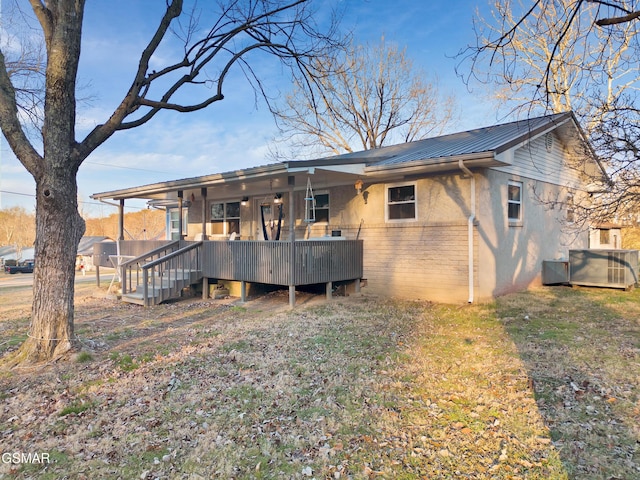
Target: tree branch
(102,132)
(11,127)
(241,28)
(618,20)
(44,17)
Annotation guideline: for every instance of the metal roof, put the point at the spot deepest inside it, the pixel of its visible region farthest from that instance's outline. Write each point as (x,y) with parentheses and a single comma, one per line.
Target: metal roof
(480,146)
(494,139)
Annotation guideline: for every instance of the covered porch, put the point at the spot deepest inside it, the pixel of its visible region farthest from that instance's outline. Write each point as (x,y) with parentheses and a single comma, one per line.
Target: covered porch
(250,226)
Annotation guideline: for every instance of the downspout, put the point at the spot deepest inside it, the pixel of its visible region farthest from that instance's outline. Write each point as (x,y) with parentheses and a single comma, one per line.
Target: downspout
(470,221)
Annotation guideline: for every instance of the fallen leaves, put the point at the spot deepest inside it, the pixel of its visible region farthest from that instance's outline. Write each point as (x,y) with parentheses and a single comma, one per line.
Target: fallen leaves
(359,388)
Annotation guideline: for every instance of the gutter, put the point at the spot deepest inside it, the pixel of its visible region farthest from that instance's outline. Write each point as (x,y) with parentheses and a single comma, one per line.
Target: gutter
(470,221)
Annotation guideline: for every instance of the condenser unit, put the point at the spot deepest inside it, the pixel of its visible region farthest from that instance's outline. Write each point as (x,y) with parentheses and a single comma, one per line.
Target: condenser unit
(603,268)
(555,272)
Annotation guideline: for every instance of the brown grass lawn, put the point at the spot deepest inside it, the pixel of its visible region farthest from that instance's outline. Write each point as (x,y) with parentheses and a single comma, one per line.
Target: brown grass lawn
(538,385)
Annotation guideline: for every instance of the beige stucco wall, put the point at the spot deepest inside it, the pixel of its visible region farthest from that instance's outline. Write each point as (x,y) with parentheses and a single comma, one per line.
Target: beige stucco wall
(510,256)
(428,258)
(425,258)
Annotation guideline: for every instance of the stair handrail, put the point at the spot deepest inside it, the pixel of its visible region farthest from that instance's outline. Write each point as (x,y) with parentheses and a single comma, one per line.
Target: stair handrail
(127,265)
(165,260)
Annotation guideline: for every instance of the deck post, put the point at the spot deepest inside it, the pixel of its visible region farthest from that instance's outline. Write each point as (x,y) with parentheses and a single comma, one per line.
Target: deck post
(121,220)
(292,296)
(180,206)
(329,287)
(205,288)
(243,291)
(357,285)
(291,181)
(203,194)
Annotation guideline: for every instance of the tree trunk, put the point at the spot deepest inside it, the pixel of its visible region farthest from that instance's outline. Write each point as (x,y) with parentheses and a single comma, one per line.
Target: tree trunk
(59,228)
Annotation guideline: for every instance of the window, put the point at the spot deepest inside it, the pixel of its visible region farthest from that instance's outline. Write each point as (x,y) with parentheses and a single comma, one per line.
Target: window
(514,202)
(174,223)
(605,238)
(401,202)
(322,207)
(225,218)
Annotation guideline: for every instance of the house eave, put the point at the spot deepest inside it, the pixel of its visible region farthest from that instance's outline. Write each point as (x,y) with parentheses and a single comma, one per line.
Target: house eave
(434,165)
(155,189)
(252,181)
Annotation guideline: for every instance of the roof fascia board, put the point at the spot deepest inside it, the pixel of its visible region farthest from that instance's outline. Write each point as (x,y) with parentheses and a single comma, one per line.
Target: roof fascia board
(191,183)
(353,169)
(534,133)
(485,159)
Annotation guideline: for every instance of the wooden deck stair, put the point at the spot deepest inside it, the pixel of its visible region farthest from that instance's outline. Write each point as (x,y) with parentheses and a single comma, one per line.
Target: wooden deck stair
(162,288)
(161,274)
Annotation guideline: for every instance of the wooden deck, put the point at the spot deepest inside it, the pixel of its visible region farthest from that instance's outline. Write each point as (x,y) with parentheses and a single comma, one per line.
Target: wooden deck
(152,271)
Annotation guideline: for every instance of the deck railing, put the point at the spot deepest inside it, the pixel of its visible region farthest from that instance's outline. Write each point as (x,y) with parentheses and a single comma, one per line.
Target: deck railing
(131,268)
(269,262)
(315,261)
(165,277)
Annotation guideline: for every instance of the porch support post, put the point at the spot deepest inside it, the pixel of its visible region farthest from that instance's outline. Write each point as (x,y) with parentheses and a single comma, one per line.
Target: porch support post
(205,288)
(180,226)
(292,238)
(328,287)
(203,194)
(292,296)
(243,291)
(121,220)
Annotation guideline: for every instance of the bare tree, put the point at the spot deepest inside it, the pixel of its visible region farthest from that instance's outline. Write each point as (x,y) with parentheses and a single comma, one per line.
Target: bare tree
(142,225)
(236,30)
(571,55)
(365,97)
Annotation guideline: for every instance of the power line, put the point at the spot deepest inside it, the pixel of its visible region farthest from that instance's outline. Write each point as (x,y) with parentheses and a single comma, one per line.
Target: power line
(84,202)
(128,168)
(18,193)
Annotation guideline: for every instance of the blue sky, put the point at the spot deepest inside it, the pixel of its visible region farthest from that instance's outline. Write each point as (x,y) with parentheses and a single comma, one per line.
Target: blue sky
(237,132)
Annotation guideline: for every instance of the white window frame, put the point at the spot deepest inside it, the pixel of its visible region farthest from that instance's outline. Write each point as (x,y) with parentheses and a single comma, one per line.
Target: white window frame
(513,221)
(414,201)
(170,229)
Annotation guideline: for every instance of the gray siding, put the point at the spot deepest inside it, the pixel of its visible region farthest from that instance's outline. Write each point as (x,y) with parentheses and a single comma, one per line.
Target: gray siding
(534,161)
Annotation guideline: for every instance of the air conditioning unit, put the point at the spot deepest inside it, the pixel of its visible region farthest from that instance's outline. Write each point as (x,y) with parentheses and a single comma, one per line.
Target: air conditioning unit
(555,272)
(604,268)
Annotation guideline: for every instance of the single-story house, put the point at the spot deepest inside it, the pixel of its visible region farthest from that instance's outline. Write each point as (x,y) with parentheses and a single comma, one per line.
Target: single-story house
(455,218)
